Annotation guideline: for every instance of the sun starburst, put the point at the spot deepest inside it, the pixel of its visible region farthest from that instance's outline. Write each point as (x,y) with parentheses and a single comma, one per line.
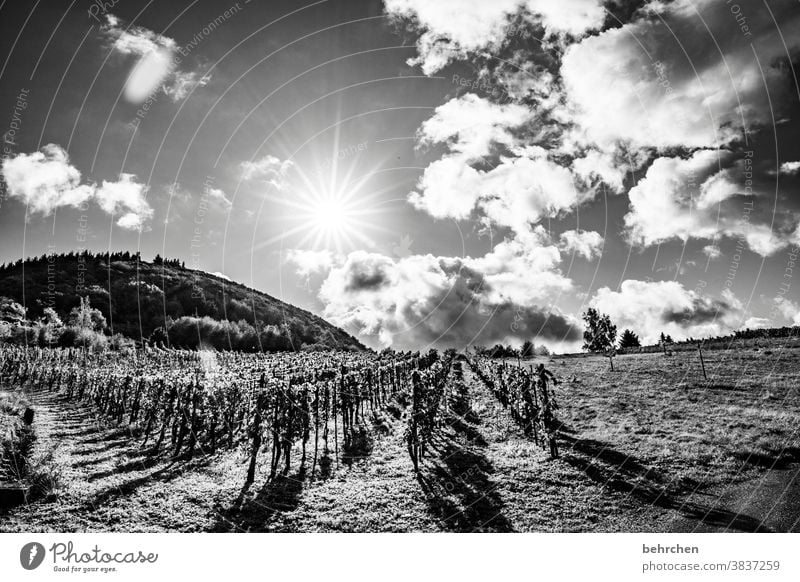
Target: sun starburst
(329,209)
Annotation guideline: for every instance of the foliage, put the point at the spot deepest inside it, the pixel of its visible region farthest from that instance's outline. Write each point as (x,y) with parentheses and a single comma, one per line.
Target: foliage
(140,297)
(528,396)
(527,350)
(11,311)
(629,340)
(86,317)
(600,333)
(196,332)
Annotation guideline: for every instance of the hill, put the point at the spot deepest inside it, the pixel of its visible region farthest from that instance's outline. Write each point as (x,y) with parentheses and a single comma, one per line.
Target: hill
(165,302)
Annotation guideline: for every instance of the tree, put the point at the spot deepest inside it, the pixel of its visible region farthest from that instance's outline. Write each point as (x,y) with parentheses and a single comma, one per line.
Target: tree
(87,317)
(11,311)
(629,340)
(527,349)
(50,327)
(600,333)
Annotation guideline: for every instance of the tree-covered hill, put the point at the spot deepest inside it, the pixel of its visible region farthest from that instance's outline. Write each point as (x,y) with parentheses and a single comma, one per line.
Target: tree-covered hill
(165,302)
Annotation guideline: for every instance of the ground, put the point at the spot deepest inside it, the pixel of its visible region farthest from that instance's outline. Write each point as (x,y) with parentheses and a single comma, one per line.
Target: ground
(651,446)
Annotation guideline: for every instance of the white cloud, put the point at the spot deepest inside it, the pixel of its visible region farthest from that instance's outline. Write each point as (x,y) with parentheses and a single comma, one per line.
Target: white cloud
(586,243)
(627,85)
(448,188)
(471,125)
(757,323)
(789,309)
(311,262)
(574,17)
(790,168)
(521,191)
(156,62)
(523,186)
(219,196)
(651,307)
(661,203)
(692,198)
(268,169)
(760,238)
(135,40)
(451,29)
(712,251)
(522,270)
(45,180)
(600,166)
(131,221)
(616,96)
(181,84)
(523,78)
(125,197)
(516,193)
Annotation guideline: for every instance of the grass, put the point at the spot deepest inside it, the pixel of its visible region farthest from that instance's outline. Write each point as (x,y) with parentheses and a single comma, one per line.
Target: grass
(662,411)
(20,463)
(651,444)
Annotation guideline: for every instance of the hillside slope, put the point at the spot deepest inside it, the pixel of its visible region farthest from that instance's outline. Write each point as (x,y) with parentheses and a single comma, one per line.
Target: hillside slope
(144,301)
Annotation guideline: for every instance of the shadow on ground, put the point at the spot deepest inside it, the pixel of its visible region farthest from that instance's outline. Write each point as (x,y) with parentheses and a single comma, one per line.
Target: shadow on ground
(277,496)
(456,479)
(626,474)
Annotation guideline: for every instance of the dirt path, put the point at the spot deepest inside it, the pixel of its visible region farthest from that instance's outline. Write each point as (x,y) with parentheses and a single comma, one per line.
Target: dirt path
(107,483)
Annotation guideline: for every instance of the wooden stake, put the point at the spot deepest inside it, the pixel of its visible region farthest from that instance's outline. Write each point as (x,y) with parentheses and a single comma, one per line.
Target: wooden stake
(335,427)
(702,363)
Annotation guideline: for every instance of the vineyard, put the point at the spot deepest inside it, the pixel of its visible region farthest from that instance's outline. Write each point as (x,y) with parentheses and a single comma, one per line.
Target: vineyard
(188,402)
(358,441)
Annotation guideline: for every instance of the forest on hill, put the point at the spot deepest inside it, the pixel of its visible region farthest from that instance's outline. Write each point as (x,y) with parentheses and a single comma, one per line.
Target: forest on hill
(72,297)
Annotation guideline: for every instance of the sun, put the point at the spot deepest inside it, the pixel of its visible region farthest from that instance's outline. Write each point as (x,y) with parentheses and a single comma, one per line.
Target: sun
(328,209)
(330,216)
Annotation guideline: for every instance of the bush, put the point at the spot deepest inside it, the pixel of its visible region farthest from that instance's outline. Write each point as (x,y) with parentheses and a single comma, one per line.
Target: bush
(87,338)
(44,475)
(121,343)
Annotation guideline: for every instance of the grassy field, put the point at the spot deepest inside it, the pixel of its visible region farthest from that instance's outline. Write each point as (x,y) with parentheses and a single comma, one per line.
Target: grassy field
(651,446)
(662,411)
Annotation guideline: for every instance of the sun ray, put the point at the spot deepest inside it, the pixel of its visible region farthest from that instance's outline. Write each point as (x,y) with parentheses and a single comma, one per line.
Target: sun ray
(336,205)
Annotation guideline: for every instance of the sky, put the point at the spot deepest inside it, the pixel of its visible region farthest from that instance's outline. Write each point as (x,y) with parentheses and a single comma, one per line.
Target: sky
(422,173)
